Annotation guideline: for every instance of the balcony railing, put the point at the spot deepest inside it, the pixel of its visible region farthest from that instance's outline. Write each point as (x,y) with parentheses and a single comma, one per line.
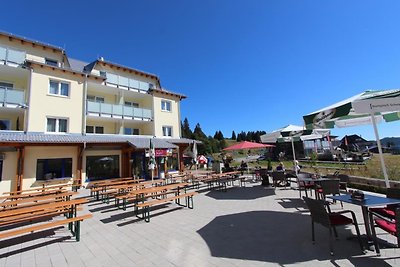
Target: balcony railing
(118,111)
(10,97)
(130,84)
(11,56)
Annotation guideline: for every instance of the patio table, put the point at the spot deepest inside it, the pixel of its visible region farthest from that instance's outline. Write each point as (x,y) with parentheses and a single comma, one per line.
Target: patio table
(368,202)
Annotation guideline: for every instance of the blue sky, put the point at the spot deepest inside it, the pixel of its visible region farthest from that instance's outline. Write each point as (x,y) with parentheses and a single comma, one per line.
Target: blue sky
(244,65)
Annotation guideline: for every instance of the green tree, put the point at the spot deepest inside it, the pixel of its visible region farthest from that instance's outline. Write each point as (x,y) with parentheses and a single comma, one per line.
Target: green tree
(186,131)
(233,135)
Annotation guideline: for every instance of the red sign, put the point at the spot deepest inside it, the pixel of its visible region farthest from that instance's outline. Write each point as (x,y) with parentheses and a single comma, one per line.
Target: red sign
(161,152)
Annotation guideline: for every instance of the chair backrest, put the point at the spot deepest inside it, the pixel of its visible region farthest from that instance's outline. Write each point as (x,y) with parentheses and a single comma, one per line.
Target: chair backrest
(303,175)
(343,178)
(318,211)
(278,176)
(330,187)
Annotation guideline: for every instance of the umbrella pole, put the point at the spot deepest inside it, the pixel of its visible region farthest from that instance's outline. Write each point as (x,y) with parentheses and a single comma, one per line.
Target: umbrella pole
(378,141)
(294,156)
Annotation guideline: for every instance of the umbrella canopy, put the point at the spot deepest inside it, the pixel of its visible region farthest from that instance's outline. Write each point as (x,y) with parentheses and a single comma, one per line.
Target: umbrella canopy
(247,145)
(368,107)
(285,134)
(357,110)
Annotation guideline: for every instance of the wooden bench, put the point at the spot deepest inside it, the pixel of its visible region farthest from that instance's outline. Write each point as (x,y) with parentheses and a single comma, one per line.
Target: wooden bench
(145,206)
(146,192)
(43,199)
(34,194)
(13,218)
(38,190)
(75,229)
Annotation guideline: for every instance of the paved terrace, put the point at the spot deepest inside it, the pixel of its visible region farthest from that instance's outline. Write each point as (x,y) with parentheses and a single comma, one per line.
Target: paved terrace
(248,226)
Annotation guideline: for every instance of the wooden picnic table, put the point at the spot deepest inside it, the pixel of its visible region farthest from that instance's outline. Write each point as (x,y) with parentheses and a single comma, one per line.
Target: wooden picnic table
(101,188)
(35,200)
(32,194)
(38,212)
(140,194)
(44,188)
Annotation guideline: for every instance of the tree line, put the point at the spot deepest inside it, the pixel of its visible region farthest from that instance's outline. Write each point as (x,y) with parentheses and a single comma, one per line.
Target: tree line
(214,144)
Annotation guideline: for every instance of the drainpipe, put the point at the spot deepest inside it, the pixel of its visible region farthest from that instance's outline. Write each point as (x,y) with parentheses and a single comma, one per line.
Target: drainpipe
(84,105)
(26,117)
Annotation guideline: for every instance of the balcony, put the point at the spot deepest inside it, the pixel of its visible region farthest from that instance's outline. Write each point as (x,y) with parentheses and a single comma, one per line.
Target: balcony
(12,57)
(12,98)
(127,84)
(118,111)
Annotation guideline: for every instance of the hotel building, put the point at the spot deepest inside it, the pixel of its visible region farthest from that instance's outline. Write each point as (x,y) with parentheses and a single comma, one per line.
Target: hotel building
(61,118)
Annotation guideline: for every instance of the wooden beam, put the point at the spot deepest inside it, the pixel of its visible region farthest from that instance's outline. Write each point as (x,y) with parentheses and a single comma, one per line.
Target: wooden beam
(79,165)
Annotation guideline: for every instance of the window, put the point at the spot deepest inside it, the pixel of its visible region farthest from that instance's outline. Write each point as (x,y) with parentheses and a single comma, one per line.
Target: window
(5,125)
(95,129)
(167,130)
(47,169)
(57,125)
(59,88)
(6,85)
(103,73)
(97,99)
(131,104)
(51,62)
(102,167)
(166,105)
(131,131)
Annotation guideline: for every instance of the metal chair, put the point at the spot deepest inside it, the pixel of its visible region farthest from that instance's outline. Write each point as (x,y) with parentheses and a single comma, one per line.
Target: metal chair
(278,177)
(388,211)
(303,185)
(388,225)
(328,187)
(321,214)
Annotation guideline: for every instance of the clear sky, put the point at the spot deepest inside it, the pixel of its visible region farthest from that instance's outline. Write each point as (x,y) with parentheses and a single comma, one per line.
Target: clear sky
(244,65)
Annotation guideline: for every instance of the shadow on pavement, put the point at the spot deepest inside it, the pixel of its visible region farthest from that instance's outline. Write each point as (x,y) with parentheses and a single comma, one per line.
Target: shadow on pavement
(278,237)
(242,193)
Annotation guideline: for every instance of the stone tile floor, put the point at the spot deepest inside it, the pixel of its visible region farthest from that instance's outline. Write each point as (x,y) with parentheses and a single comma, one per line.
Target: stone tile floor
(247,226)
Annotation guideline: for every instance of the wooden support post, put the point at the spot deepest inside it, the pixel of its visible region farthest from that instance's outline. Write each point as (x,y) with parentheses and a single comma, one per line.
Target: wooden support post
(20,168)
(79,166)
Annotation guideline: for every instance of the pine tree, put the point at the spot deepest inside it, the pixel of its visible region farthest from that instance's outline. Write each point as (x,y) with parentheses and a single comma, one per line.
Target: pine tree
(233,135)
(186,132)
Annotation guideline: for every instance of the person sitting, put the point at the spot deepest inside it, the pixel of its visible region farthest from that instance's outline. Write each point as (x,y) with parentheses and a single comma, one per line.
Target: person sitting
(280,167)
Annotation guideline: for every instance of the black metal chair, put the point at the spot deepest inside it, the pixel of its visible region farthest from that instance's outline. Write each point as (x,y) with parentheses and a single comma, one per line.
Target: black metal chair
(321,214)
(392,226)
(328,187)
(388,211)
(278,177)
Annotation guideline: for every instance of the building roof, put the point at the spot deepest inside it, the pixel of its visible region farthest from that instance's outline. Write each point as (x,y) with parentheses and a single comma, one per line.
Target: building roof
(164,91)
(139,142)
(24,39)
(89,67)
(77,65)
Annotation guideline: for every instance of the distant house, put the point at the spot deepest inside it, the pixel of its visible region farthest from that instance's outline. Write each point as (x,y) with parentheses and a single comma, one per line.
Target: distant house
(355,143)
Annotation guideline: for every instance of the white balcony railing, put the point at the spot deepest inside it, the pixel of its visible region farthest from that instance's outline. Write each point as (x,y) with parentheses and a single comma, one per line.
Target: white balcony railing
(10,56)
(118,111)
(10,97)
(130,84)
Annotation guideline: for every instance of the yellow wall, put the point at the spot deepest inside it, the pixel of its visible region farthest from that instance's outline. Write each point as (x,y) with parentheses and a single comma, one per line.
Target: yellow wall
(32,154)
(164,118)
(13,118)
(43,105)
(110,127)
(8,181)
